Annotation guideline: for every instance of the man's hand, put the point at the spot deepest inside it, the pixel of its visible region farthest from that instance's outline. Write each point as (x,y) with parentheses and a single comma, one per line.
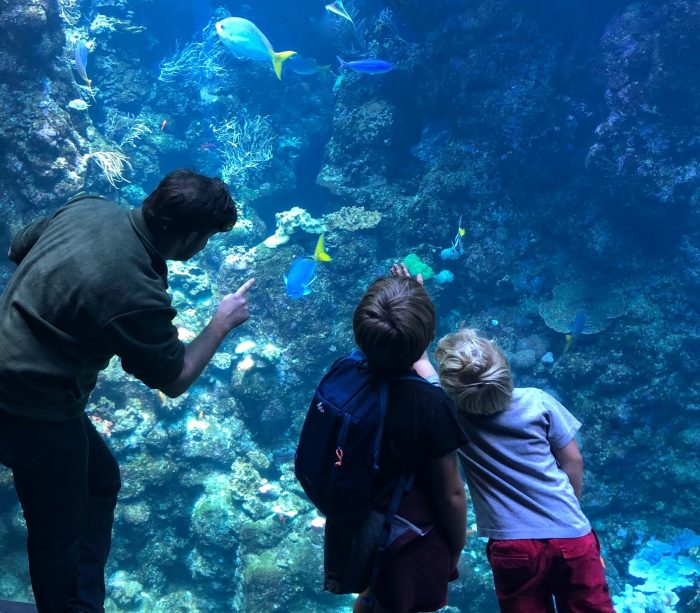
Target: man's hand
(233,309)
(232,312)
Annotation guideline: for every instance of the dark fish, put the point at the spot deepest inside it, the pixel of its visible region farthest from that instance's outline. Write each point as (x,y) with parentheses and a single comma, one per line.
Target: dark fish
(577,326)
(305,66)
(368,66)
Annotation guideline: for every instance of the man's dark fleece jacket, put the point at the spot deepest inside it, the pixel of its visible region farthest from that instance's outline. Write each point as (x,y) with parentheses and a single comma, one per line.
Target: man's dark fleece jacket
(89,285)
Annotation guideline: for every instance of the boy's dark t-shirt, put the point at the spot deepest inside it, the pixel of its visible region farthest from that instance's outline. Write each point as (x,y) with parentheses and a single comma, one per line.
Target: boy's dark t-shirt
(421,425)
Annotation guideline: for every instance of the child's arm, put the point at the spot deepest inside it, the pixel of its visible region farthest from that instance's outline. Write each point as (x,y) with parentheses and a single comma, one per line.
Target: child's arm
(571,462)
(423,366)
(425,369)
(450,502)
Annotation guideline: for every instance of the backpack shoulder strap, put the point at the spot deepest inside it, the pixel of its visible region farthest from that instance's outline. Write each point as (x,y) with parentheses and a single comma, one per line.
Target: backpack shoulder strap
(351,357)
(383,394)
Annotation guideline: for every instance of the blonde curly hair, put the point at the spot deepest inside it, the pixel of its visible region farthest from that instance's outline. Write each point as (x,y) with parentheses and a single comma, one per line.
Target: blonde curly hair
(474,372)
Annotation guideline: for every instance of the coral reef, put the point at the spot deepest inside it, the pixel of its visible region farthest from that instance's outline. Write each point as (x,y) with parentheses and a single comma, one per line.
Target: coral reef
(664,569)
(41,147)
(352,219)
(288,222)
(416,266)
(598,305)
(565,138)
(643,149)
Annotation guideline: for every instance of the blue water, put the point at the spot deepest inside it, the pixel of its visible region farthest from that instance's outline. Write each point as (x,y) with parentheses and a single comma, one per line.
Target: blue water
(565,135)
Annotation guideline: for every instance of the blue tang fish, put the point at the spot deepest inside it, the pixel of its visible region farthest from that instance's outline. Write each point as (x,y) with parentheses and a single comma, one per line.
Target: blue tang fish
(243,38)
(303,271)
(367,66)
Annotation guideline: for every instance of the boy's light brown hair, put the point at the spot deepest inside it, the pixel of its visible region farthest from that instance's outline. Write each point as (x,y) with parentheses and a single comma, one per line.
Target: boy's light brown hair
(474,372)
(394,323)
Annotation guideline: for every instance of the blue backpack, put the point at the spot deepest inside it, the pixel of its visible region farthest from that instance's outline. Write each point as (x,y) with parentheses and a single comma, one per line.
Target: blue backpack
(337,459)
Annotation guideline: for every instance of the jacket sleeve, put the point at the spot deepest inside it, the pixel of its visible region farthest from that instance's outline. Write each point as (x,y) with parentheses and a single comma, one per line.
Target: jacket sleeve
(25,239)
(147,343)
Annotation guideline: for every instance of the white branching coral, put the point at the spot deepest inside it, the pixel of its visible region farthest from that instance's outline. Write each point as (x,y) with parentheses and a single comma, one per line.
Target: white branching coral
(113,165)
(245,145)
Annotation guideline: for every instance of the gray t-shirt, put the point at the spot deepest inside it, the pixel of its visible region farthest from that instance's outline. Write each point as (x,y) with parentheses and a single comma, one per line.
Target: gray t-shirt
(517,489)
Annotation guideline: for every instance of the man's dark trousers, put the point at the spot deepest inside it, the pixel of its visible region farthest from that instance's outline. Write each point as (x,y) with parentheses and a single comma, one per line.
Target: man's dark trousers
(67,481)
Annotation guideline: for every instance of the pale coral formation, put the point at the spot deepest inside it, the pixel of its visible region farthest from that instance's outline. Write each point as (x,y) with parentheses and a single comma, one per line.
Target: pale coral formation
(289,222)
(352,218)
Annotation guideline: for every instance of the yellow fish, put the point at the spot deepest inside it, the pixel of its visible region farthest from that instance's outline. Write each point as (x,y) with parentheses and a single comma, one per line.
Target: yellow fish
(243,38)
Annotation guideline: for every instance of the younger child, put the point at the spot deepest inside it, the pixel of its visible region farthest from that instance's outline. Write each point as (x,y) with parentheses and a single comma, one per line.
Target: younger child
(525,475)
(393,325)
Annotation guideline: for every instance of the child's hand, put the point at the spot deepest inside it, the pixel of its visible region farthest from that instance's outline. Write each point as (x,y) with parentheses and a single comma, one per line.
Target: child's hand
(400,270)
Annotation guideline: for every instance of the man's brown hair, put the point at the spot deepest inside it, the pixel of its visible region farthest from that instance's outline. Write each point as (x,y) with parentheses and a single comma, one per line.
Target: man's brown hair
(394,323)
(185,202)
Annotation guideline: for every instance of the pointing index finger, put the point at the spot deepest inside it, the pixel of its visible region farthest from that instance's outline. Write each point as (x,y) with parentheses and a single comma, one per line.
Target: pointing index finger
(243,289)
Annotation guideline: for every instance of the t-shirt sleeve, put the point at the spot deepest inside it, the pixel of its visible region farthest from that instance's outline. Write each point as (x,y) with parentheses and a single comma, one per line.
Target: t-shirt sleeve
(148,345)
(444,434)
(563,426)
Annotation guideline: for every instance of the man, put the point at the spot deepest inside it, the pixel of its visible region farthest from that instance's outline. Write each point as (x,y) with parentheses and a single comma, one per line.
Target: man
(90,284)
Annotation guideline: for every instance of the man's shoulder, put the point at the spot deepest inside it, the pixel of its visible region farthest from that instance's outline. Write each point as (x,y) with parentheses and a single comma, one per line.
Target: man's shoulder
(84,199)
(89,211)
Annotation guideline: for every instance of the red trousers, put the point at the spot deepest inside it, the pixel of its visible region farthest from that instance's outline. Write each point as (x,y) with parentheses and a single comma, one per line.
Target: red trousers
(530,573)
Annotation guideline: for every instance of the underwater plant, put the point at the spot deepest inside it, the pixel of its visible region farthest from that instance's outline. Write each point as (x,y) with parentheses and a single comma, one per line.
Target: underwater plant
(198,62)
(125,127)
(113,165)
(69,11)
(245,145)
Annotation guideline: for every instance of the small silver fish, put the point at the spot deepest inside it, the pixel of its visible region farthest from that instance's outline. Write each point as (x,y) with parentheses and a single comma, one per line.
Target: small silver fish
(78,104)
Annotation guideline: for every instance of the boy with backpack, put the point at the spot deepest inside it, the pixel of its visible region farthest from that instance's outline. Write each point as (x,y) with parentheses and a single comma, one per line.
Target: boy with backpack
(377,455)
(525,475)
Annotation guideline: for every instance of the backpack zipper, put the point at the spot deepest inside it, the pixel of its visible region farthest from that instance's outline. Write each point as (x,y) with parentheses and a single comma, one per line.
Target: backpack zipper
(341,439)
